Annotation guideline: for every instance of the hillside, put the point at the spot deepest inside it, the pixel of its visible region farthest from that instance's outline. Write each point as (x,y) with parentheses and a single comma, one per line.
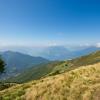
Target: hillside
(89,59)
(35,72)
(19,60)
(79,84)
(55,67)
(16,62)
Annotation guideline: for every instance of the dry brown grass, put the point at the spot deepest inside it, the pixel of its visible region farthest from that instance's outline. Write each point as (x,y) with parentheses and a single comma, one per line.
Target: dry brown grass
(79,84)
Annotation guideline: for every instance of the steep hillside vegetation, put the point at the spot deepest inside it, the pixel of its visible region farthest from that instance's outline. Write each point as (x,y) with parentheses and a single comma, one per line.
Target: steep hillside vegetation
(79,84)
(54,68)
(2,66)
(85,60)
(35,72)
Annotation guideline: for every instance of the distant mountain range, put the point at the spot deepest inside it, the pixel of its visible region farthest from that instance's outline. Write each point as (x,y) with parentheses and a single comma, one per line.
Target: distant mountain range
(54,52)
(62,53)
(17,62)
(55,67)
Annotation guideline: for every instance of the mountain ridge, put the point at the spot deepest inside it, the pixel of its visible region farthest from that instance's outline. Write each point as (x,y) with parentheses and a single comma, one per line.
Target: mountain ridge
(17,62)
(55,67)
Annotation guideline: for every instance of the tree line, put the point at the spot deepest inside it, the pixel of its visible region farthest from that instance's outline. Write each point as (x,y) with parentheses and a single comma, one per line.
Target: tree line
(2,65)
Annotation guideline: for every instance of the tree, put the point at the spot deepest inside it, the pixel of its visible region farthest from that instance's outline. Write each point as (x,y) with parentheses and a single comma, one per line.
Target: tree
(2,65)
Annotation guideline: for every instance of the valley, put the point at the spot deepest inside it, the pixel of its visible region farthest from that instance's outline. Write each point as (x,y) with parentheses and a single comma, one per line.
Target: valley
(55,67)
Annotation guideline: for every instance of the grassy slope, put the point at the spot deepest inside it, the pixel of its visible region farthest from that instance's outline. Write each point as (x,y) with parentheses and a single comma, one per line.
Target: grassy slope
(79,84)
(75,63)
(35,72)
(56,67)
(86,60)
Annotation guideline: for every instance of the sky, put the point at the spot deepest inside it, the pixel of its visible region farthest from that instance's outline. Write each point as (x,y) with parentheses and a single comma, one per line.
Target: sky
(49,22)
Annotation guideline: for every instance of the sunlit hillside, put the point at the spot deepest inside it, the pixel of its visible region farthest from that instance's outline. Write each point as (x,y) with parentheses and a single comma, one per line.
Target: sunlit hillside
(55,67)
(79,84)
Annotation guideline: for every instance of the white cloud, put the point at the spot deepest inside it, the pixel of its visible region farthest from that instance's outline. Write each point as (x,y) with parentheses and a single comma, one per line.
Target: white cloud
(98,45)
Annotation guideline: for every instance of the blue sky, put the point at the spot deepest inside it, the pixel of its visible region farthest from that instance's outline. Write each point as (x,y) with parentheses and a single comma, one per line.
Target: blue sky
(49,22)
